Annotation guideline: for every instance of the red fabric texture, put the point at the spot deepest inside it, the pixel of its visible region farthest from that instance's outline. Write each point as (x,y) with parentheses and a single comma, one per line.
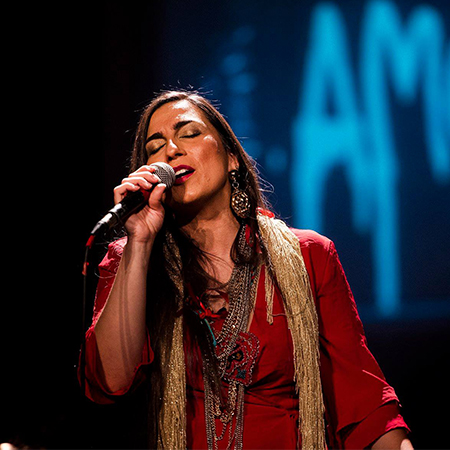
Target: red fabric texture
(360,405)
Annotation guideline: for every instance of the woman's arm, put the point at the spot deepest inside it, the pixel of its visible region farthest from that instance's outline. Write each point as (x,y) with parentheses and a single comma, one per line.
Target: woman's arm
(393,440)
(361,406)
(121,328)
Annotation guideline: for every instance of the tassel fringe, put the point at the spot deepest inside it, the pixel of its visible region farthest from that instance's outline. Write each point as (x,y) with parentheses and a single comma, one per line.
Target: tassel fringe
(288,268)
(172,419)
(269,290)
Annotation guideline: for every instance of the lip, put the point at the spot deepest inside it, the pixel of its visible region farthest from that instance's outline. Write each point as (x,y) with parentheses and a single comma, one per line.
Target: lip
(183,178)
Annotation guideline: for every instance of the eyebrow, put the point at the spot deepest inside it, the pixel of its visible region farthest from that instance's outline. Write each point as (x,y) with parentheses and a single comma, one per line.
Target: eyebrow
(176,127)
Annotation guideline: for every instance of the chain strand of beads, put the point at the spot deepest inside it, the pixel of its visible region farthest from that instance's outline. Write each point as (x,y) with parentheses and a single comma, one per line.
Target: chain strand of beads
(242,294)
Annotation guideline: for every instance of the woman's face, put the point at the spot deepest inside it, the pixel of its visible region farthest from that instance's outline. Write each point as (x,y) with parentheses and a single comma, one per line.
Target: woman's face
(180,135)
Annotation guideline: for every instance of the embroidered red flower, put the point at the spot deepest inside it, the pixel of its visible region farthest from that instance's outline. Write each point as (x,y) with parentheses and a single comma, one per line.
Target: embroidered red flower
(242,359)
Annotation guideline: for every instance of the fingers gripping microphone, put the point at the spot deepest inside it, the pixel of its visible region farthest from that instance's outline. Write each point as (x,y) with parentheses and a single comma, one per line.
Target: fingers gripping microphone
(134,201)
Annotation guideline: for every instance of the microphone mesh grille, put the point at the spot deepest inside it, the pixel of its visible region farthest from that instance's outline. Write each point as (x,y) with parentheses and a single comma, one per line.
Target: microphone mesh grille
(165,173)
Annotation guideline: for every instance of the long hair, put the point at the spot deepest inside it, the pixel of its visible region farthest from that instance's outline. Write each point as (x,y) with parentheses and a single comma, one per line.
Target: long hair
(247,167)
(162,307)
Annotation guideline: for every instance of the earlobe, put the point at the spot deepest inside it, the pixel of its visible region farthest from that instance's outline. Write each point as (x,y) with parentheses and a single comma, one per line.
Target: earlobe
(233,163)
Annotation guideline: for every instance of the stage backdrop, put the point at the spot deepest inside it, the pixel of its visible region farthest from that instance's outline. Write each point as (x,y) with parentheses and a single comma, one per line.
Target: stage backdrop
(345,107)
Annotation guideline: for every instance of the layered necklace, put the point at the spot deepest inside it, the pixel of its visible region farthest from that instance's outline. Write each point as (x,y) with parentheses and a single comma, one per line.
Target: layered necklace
(235,351)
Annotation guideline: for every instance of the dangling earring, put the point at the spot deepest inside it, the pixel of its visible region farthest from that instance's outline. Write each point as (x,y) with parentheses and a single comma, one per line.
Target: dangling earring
(240,203)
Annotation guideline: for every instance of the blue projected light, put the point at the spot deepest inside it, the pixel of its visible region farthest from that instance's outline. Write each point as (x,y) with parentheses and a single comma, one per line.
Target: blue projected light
(381,118)
(409,57)
(446,77)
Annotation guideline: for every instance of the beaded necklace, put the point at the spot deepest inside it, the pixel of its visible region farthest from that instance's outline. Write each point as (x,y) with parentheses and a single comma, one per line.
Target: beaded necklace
(235,351)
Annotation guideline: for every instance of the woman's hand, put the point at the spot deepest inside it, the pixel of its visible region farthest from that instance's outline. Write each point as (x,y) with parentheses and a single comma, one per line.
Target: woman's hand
(395,439)
(144,225)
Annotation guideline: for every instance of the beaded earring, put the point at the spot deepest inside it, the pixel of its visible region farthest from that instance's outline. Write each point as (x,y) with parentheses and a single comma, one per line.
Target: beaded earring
(240,202)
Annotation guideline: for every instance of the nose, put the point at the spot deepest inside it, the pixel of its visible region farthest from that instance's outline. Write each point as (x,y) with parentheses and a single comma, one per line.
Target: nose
(173,151)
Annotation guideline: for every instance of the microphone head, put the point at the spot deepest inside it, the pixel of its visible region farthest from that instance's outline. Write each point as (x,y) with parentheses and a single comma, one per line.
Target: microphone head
(165,173)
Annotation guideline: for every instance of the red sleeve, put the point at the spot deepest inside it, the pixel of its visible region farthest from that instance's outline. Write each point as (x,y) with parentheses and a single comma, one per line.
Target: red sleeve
(360,405)
(385,418)
(95,386)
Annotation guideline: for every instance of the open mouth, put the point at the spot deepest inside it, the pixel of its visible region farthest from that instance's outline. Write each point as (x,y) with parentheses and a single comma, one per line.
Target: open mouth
(182,173)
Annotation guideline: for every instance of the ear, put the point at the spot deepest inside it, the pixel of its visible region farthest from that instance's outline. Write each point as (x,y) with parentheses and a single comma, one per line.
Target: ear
(233,163)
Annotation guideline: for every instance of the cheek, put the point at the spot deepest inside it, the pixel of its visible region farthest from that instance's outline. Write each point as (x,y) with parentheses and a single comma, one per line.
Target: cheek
(152,159)
(211,145)
(215,154)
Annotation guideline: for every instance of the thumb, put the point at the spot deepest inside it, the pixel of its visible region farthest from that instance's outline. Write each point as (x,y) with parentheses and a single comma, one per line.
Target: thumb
(155,199)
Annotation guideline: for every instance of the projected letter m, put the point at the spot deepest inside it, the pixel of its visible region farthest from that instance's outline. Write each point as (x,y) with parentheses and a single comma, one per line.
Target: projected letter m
(362,142)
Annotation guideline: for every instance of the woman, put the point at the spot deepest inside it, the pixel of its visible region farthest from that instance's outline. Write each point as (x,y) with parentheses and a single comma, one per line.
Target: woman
(243,332)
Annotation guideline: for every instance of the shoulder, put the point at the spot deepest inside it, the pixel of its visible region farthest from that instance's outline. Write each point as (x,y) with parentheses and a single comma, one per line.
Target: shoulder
(318,253)
(311,240)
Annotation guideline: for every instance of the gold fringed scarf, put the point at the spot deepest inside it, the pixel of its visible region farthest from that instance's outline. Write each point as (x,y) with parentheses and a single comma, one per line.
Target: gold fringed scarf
(288,268)
(172,419)
(286,265)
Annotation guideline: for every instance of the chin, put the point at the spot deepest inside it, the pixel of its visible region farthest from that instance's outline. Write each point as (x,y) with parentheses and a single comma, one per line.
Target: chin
(192,201)
(184,203)
(182,197)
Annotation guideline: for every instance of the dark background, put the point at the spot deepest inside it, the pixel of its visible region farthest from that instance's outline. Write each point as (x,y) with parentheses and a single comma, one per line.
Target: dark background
(81,75)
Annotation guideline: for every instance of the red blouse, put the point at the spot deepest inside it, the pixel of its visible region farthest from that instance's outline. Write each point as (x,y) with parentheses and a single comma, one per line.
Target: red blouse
(360,404)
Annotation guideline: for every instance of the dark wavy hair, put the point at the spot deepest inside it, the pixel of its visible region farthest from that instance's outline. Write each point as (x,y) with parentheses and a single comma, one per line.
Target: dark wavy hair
(248,174)
(162,307)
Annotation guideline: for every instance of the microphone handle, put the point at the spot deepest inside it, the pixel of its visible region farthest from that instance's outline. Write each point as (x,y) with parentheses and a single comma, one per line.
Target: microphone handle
(117,215)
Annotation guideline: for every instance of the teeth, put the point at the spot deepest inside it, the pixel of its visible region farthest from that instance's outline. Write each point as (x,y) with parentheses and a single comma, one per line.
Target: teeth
(181,172)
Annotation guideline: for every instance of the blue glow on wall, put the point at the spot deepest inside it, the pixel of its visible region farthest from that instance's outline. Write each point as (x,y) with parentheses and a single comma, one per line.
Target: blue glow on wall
(345,106)
(408,56)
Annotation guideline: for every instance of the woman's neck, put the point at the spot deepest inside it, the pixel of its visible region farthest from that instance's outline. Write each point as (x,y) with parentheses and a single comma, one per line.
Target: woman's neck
(214,233)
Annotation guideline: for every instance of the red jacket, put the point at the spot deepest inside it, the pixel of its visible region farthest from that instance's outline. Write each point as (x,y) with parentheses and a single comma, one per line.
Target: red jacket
(360,405)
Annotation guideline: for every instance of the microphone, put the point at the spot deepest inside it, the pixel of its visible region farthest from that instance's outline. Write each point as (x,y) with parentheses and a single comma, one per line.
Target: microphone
(134,201)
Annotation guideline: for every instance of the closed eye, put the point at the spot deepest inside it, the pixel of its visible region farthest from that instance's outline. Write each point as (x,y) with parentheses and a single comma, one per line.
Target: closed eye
(192,135)
(155,150)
